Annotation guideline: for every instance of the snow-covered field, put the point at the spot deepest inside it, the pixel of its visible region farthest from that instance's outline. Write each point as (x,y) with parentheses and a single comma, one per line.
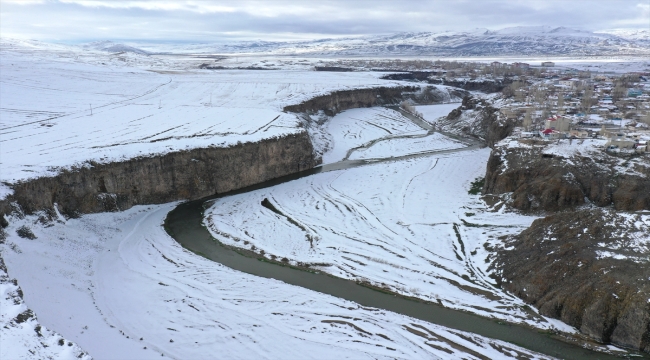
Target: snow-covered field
(409,226)
(120,287)
(21,335)
(46,96)
(431,113)
(406,146)
(356,127)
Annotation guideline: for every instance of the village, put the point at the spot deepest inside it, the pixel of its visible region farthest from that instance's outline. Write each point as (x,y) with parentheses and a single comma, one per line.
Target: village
(551,102)
(567,104)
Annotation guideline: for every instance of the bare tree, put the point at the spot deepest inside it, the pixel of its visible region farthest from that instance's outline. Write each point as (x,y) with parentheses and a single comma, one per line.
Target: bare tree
(528,119)
(619,92)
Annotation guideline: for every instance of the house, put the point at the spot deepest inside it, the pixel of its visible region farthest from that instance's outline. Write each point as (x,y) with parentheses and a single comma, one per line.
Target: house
(581,134)
(557,123)
(526,135)
(634,92)
(550,134)
(569,83)
(548,64)
(641,147)
(620,141)
(521,65)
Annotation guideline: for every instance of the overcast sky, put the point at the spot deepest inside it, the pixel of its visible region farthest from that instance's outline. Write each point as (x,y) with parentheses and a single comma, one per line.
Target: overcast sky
(216,21)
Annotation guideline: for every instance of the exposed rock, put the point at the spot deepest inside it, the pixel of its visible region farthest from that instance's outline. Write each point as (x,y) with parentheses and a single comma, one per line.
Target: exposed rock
(484,85)
(542,181)
(476,117)
(196,173)
(589,268)
(487,86)
(174,176)
(337,101)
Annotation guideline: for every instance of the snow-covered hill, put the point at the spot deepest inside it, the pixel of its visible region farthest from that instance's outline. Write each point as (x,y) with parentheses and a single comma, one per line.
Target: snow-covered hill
(113,47)
(530,40)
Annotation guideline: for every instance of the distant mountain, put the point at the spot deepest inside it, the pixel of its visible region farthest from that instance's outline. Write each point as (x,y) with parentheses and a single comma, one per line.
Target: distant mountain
(636,34)
(113,47)
(514,41)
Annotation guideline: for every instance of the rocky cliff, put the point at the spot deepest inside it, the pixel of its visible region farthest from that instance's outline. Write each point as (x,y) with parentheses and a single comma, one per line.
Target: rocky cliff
(588,262)
(487,86)
(541,180)
(196,173)
(337,101)
(477,118)
(174,176)
(589,268)
(484,85)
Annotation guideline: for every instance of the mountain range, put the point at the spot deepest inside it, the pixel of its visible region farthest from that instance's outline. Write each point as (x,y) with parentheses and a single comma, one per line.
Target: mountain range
(513,41)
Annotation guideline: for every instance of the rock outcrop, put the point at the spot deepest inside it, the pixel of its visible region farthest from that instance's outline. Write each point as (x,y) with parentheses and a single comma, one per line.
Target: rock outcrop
(477,118)
(487,86)
(174,176)
(337,101)
(542,181)
(196,173)
(483,85)
(588,268)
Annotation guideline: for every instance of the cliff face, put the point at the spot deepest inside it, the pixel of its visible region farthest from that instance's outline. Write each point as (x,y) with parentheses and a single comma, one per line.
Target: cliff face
(543,181)
(476,117)
(487,86)
(338,101)
(588,268)
(195,173)
(188,174)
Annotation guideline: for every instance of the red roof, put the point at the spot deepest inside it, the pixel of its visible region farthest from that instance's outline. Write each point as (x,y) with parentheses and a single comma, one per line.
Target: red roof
(547,131)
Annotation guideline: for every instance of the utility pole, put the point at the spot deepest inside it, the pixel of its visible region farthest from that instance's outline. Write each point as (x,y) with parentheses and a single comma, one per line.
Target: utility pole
(159,103)
(91,109)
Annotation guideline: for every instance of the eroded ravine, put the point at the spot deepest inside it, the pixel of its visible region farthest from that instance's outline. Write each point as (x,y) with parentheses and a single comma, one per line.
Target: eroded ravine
(185,224)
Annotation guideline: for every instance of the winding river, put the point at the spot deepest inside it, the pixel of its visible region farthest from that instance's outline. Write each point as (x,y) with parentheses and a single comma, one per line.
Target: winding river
(185,225)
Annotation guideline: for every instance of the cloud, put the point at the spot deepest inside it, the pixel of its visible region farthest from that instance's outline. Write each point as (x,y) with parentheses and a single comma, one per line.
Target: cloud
(206,20)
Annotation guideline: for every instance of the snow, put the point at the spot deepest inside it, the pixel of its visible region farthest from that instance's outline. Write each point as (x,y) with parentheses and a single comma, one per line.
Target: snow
(395,147)
(356,127)
(120,287)
(23,337)
(575,147)
(409,226)
(105,281)
(431,113)
(378,133)
(65,108)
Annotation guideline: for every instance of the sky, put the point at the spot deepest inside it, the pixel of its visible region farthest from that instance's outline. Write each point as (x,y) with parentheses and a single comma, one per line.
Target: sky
(70,21)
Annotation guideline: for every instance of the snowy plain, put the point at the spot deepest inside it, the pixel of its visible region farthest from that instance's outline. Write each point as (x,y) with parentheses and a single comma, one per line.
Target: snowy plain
(120,287)
(21,334)
(431,113)
(105,281)
(409,226)
(62,107)
(356,127)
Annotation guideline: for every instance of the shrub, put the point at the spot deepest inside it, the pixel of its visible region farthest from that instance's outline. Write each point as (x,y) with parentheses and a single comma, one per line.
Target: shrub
(476,186)
(25,232)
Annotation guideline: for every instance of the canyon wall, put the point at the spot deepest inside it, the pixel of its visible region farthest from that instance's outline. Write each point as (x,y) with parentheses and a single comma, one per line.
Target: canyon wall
(338,101)
(196,173)
(546,182)
(579,267)
(181,175)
